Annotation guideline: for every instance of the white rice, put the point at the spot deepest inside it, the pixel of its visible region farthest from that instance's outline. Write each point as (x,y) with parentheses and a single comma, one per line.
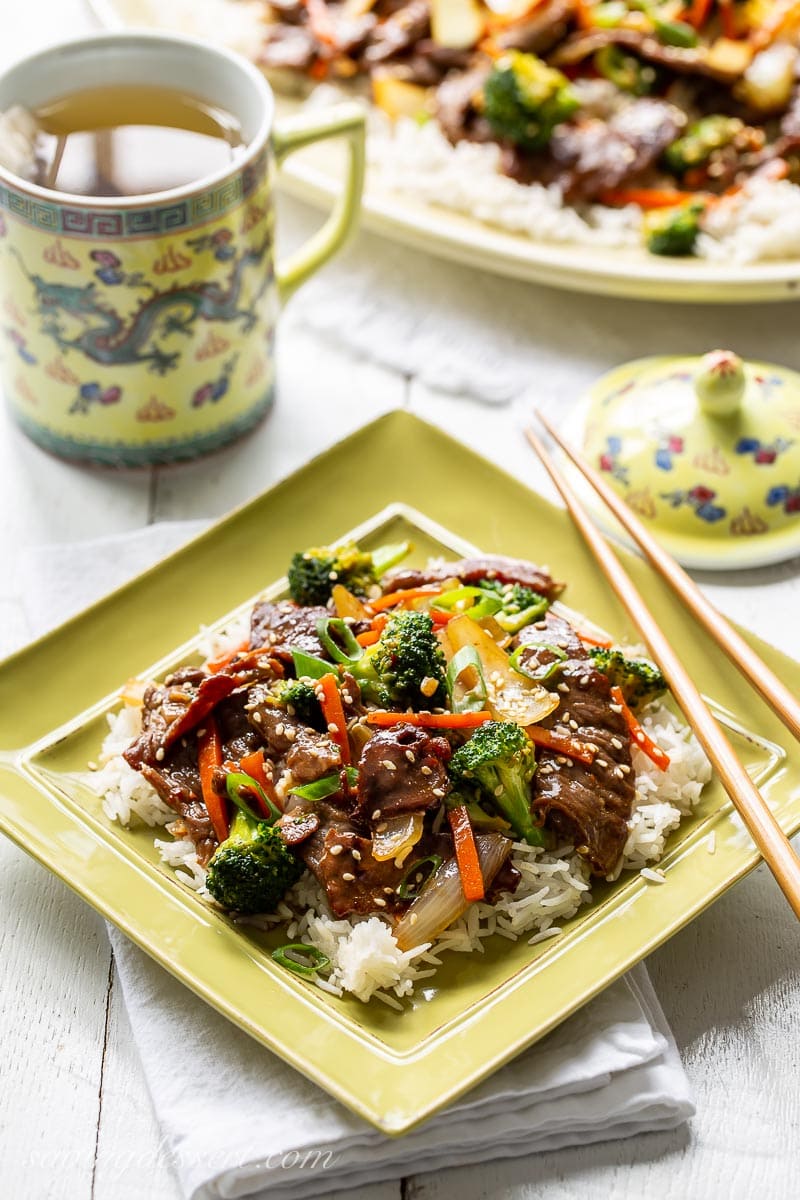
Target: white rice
(365,958)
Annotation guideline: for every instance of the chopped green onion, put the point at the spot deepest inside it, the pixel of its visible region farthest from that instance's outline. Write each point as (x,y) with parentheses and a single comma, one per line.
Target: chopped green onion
(512,622)
(389,556)
(543,671)
(475,699)
(235,781)
(329,785)
(308,970)
(409,888)
(308,666)
(349,651)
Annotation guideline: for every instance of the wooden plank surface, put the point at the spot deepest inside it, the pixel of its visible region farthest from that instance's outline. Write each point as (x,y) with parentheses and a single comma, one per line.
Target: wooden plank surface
(75,1118)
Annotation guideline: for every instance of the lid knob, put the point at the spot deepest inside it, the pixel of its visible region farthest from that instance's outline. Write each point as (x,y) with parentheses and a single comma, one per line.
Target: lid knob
(719,383)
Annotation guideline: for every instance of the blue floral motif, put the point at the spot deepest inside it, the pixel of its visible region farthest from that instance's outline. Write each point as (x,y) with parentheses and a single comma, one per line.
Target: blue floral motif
(700,499)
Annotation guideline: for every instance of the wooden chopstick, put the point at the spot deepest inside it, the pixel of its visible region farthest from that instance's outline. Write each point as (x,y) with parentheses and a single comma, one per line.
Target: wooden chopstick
(783,703)
(764,829)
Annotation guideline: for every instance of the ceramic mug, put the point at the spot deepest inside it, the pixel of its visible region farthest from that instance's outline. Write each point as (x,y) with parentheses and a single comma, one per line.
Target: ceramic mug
(141,330)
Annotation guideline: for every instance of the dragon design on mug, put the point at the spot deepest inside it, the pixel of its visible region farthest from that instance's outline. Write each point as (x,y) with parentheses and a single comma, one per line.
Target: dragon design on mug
(112,340)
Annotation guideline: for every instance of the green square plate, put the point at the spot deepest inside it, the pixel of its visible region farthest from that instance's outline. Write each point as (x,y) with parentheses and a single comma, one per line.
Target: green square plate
(394,1069)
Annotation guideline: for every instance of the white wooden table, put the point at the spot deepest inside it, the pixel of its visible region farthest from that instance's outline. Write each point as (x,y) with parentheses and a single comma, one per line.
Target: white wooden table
(75,1118)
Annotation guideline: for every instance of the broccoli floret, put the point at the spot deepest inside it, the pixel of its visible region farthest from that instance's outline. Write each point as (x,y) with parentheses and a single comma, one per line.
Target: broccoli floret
(521,605)
(313,573)
(300,701)
(252,869)
(639,681)
(406,666)
(499,758)
(696,146)
(524,100)
(674,231)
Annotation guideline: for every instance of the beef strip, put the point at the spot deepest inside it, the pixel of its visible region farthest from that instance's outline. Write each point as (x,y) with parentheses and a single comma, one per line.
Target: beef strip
(398,33)
(473,570)
(354,883)
(285,626)
(543,30)
(174,708)
(177,781)
(290,47)
(589,804)
(239,736)
(591,155)
(299,825)
(682,60)
(309,755)
(457,108)
(402,770)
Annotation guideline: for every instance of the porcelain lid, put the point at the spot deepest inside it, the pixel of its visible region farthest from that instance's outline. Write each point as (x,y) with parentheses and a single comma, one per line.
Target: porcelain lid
(706,451)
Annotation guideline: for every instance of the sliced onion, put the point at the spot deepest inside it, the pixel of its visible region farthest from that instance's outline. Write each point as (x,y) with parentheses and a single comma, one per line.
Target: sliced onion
(348,605)
(511,696)
(398,837)
(441,901)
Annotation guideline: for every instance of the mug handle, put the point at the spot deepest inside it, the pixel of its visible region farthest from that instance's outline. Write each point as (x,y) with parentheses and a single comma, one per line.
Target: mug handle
(345,120)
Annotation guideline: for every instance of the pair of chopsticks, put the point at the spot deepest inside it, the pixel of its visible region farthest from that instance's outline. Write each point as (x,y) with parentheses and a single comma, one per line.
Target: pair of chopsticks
(762,825)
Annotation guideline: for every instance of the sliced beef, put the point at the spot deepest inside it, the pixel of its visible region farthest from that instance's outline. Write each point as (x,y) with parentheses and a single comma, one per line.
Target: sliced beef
(177,781)
(457,105)
(588,157)
(588,804)
(174,708)
(239,736)
(309,755)
(285,626)
(538,34)
(402,770)
(297,826)
(473,570)
(682,60)
(354,881)
(398,33)
(290,47)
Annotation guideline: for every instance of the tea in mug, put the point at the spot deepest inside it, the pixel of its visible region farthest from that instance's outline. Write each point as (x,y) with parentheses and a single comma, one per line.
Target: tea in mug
(131,140)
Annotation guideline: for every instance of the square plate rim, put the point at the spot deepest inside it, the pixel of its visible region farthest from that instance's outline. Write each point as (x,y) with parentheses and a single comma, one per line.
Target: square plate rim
(393,1122)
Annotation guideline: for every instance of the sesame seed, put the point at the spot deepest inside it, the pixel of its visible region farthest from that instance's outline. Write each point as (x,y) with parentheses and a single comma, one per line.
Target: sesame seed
(498,791)
(379,900)
(563,687)
(356,855)
(625,768)
(336,850)
(279,728)
(348,876)
(601,762)
(332,727)
(573,724)
(412,920)
(426,771)
(290,734)
(92,765)
(160,754)
(616,743)
(388,764)
(201,732)
(410,756)
(169,679)
(348,699)
(617,708)
(564,762)
(439,792)
(388,891)
(376,814)
(257,718)
(381,828)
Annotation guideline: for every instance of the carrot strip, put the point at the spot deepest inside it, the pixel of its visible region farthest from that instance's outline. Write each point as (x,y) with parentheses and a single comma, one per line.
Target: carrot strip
(570,747)
(727,16)
(369,638)
(698,13)
(253,765)
(469,866)
(646,198)
(210,757)
(645,744)
(224,660)
(584,14)
(426,720)
(440,616)
(401,597)
(327,691)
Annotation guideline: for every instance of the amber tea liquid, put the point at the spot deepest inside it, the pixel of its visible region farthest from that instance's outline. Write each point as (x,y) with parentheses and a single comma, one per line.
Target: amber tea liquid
(132,140)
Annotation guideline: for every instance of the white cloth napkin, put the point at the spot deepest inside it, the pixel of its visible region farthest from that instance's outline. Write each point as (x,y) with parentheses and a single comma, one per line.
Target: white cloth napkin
(240,1122)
